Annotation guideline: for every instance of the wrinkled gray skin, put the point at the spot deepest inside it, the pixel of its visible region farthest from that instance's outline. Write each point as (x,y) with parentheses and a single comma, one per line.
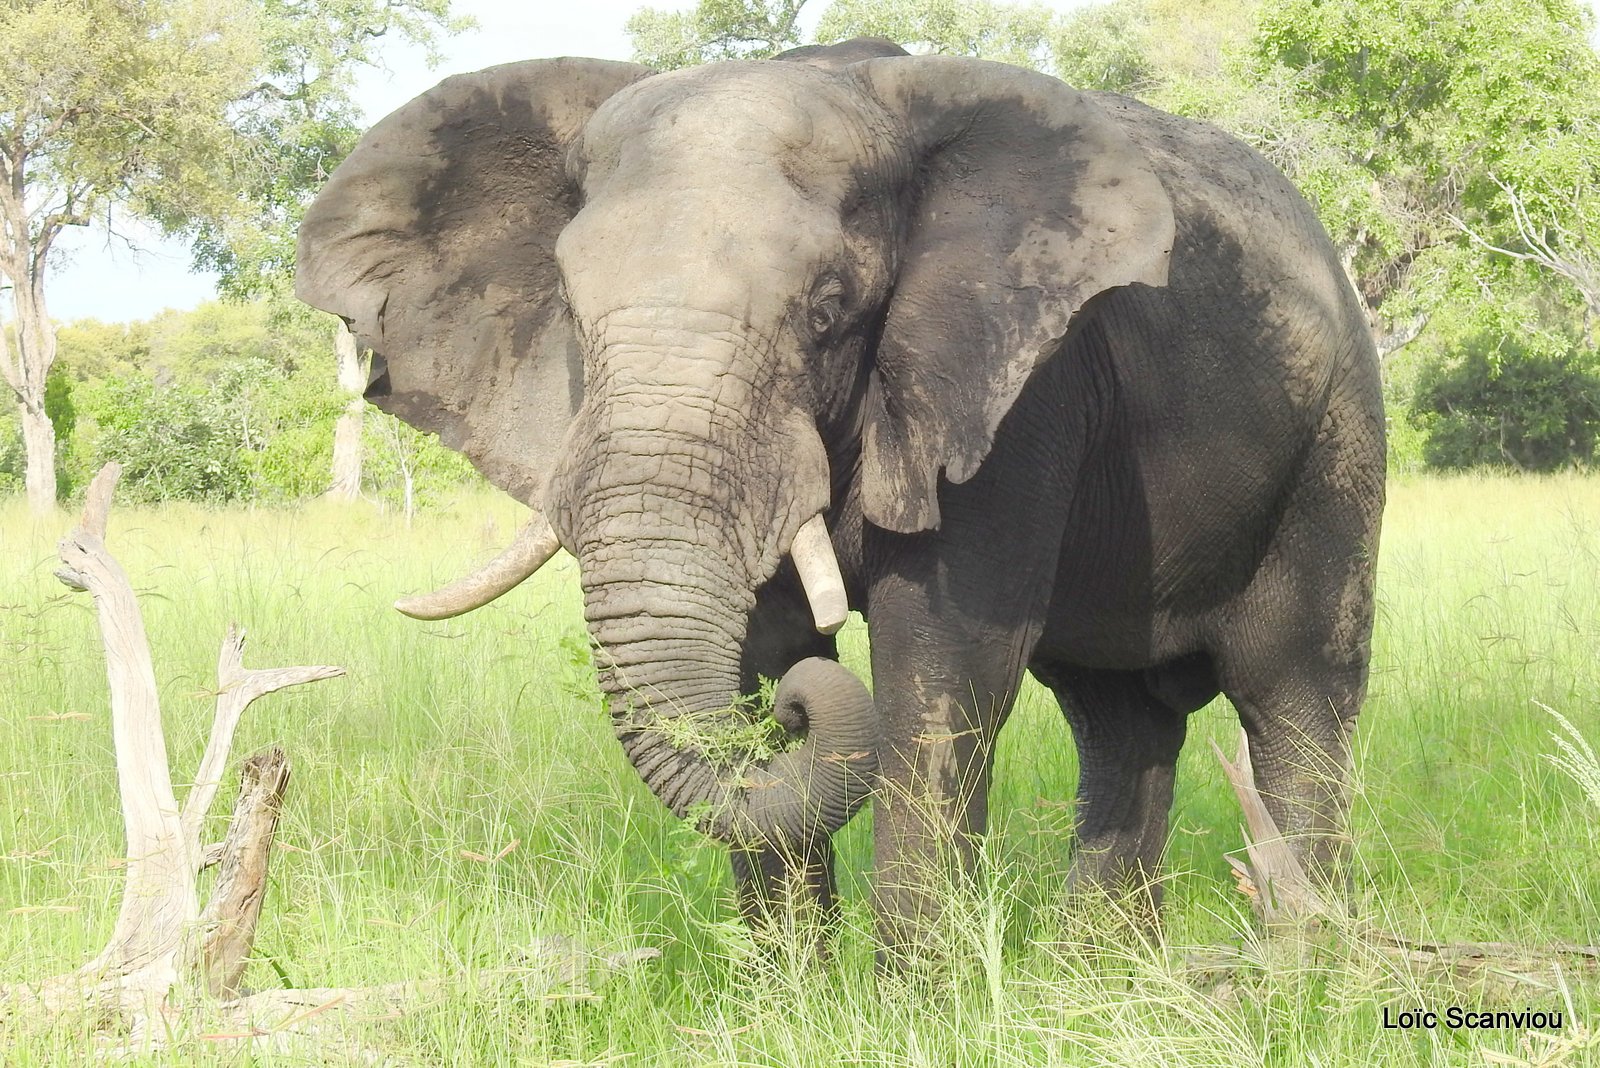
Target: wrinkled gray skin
(1077,385)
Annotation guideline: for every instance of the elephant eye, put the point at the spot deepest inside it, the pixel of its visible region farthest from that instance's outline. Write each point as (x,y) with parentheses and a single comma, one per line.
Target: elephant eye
(827,306)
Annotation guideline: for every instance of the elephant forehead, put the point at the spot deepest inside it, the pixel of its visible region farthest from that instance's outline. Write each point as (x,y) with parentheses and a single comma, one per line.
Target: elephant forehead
(712,117)
(744,116)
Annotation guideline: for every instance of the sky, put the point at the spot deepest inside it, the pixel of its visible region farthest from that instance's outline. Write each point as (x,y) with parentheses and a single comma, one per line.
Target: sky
(135,273)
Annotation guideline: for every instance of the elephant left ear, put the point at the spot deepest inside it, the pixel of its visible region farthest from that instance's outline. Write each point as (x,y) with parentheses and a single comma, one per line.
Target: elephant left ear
(1026,200)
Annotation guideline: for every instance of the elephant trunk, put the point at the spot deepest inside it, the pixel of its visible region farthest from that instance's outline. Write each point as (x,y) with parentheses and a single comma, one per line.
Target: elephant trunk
(668,618)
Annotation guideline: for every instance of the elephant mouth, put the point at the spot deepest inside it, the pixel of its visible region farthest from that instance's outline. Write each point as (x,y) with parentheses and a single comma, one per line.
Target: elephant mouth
(536,542)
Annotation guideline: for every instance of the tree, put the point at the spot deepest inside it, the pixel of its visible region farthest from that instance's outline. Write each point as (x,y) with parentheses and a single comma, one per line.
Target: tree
(1107,46)
(102,101)
(1556,228)
(410,467)
(1009,33)
(1422,130)
(302,130)
(1443,116)
(756,29)
(715,29)
(347,434)
(163,109)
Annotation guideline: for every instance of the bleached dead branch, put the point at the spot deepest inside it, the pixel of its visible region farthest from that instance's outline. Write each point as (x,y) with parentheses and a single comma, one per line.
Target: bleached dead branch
(166,956)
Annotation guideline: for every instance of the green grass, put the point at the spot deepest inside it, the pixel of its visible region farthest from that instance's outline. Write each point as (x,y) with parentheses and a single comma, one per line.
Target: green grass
(450,742)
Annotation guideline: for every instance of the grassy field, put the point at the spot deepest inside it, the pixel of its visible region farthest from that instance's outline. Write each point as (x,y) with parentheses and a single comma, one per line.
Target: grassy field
(459,797)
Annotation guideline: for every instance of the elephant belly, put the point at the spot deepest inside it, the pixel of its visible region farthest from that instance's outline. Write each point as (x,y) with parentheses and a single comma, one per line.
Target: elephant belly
(1169,521)
(1105,610)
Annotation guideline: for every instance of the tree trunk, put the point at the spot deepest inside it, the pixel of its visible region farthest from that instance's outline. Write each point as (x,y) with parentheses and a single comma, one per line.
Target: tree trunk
(347,433)
(39,444)
(36,353)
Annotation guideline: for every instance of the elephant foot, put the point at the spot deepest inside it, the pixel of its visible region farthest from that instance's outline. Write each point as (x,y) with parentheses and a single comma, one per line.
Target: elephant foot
(1108,893)
(788,901)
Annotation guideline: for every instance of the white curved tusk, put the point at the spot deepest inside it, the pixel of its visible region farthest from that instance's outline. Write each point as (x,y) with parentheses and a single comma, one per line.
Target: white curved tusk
(812,552)
(530,550)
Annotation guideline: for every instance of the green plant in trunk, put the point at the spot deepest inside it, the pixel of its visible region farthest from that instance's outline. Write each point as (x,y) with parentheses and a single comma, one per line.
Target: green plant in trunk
(749,735)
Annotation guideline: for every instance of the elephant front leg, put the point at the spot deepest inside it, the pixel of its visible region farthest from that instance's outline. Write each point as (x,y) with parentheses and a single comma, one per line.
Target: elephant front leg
(942,692)
(783,893)
(780,890)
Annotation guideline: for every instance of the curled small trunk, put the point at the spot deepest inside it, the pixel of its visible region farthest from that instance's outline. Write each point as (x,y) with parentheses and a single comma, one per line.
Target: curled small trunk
(677,513)
(669,650)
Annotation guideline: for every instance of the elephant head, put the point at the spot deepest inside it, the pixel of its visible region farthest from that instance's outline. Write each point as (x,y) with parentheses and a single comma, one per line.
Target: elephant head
(676,313)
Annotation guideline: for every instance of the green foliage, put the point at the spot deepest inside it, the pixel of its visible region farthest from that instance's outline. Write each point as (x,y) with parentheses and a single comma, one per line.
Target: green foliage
(406,468)
(62,410)
(1504,403)
(63,415)
(1008,33)
(205,342)
(255,431)
(13,460)
(107,101)
(1107,46)
(299,121)
(1428,105)
(175,442)
(227,402)
(730,737)
(715,29)
(92,349)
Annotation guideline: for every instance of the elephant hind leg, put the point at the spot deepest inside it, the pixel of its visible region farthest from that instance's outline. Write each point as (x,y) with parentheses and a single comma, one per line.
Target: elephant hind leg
(1297,700)
(1292,652)
(1128,727)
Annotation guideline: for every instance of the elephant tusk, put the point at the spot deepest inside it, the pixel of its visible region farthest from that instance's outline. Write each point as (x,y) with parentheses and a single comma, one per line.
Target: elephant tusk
(532,548)
(813,556)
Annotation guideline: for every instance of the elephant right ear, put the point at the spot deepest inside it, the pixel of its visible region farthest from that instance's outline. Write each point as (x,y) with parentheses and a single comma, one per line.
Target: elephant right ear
(435,240)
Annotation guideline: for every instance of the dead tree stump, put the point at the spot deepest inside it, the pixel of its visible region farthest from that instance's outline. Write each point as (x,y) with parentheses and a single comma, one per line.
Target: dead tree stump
(166,954)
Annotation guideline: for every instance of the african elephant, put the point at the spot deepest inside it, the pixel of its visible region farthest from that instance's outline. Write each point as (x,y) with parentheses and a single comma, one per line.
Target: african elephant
(1032,378)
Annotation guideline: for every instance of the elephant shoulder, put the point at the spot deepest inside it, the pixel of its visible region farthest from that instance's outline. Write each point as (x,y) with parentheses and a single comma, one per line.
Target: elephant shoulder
(1205,168)
(1237,214)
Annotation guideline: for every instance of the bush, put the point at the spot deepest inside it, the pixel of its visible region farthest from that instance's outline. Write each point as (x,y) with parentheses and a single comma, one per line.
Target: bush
(175,442)
(256,431)
(292,414)
(1503,403)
